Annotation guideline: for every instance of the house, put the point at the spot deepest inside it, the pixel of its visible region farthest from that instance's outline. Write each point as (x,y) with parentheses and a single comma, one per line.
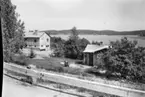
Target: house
(91,51)
(37,40)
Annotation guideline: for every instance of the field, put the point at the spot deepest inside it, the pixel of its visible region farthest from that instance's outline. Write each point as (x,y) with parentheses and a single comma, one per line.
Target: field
(107,38)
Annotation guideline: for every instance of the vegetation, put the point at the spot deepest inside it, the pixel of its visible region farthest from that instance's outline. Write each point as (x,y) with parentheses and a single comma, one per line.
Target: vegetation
(74,46)
(57,45)
(32,54)
(13,29)
(71,48)
(20,60)
(125,60)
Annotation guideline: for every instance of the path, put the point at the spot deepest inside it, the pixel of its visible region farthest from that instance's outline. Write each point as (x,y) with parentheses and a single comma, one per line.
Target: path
(13,88)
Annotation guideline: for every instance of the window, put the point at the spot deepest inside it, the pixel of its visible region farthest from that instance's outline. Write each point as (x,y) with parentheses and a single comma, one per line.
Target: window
(47,45)
(41,45)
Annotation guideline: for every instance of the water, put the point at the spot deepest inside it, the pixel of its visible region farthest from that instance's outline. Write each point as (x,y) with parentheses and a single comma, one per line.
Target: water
(107,38)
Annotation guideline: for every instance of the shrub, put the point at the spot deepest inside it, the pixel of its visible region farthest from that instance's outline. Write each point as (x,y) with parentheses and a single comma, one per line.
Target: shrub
(57,45)
(126,59)
(32,54)
(20,60)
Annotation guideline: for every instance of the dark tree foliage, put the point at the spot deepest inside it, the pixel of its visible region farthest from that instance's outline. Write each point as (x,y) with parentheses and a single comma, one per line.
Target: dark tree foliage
(57,44)
(125,58)
(74,46)
(32,53)
(13,29)
(71,48)
(74,34)
(82,43)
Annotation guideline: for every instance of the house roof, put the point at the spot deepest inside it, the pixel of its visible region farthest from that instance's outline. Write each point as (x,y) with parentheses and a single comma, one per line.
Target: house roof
(33,34)
(90,48)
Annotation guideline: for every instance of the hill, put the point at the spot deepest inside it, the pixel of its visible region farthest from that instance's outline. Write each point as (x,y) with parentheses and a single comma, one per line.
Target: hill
(96,32)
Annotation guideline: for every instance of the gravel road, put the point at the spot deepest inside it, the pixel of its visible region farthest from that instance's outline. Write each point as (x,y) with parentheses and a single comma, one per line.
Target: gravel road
(13,88)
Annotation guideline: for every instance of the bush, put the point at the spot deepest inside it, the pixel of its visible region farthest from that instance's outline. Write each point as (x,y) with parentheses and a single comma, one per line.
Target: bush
(20,60)
(126,59)
(74,48)
(57,45)
(32,54)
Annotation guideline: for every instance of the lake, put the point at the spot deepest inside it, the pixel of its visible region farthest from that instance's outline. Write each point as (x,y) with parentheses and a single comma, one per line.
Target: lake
(107,38)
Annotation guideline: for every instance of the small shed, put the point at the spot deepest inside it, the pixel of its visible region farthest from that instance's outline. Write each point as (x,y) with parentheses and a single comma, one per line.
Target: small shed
(91,51)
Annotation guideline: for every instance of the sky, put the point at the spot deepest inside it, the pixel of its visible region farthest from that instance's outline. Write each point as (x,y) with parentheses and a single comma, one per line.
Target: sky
(119,15)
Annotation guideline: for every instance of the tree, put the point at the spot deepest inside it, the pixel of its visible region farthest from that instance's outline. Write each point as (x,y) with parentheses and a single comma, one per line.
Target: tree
(125,58)
(13,29)
(57,44)
(74,46)
(74,34)
(82,43)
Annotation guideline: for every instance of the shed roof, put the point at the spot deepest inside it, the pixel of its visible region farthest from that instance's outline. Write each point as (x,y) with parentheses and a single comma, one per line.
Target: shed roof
(33,34)
(90,48)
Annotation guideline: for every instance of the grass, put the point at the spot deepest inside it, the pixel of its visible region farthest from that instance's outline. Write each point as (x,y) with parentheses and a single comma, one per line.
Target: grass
(53,64)
(50,64)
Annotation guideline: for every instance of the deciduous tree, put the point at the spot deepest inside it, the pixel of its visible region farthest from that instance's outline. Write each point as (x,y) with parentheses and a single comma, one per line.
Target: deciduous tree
(13,29)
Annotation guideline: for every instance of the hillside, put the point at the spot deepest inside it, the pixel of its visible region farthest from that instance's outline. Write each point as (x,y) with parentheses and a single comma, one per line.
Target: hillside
(96,32)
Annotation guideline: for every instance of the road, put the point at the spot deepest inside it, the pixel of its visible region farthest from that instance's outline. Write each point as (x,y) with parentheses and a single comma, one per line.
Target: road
(13,88)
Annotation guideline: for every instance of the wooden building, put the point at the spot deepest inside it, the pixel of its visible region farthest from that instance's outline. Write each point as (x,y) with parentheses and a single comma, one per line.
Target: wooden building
(91,51)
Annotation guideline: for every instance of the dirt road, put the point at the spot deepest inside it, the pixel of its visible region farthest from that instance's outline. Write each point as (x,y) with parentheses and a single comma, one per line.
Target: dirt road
(13,88)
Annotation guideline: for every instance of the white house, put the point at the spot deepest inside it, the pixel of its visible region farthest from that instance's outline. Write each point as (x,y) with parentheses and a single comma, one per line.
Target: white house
(37,40)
